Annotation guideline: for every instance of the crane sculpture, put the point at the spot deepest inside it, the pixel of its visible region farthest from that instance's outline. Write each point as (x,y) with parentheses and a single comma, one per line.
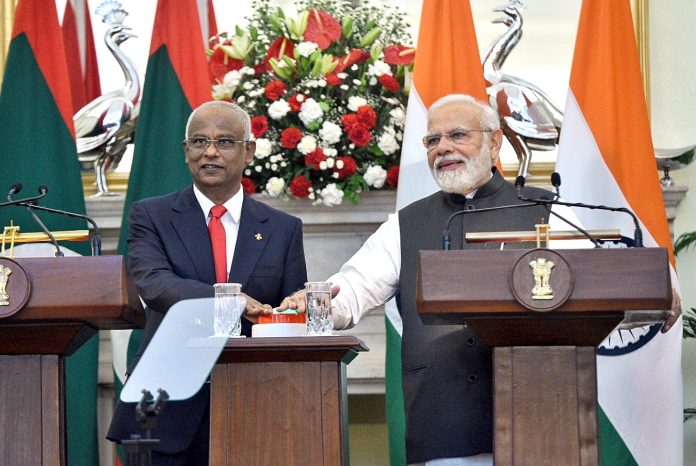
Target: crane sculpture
(105,126)
(528,117)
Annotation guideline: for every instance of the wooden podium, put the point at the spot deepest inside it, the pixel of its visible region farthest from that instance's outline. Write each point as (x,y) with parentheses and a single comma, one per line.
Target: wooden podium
(71,299)
(545,390)
(281,401)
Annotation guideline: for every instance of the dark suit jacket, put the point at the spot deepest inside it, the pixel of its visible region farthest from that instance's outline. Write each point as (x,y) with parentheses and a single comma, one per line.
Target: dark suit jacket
(170,259)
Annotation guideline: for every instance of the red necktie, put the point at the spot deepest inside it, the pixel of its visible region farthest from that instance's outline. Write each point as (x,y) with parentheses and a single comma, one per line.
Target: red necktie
(217,238)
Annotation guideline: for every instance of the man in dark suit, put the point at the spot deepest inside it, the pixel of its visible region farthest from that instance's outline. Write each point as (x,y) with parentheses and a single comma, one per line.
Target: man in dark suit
(171,258)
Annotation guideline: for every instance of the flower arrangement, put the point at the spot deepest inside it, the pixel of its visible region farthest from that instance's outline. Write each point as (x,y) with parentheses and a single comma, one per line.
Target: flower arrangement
(326,90)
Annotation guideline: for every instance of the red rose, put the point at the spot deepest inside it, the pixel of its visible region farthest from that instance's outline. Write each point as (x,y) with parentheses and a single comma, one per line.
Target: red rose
(393,176)
(259,126)
(333,80)
(348,121)
(367,116)
(314,158)
(359,135)
(399,55)
(260,69)
(274,90)
(296,102)
(322,29)
(248,186)
(290,137)
(349,167)
(389,82)
(299,187)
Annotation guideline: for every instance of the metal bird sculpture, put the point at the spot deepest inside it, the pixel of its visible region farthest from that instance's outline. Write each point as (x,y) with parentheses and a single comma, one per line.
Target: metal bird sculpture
(529,119)
(105,126)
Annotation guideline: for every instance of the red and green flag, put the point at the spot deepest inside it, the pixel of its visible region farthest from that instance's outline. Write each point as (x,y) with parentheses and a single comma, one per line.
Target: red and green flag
(80,53)
(36,124)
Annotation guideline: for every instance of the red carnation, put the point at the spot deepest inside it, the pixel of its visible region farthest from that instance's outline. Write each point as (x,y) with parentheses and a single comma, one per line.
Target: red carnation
(290,137)
(349,167)
(333,80)
(348,121)
(393,176)
(221,63)
(259,126)
(248,186)
(296,102)
(399,55)
(281,47)
(299,187)
(314,158)
(359,135)
(274,90)
(389,82)
(367,116)
(322,29)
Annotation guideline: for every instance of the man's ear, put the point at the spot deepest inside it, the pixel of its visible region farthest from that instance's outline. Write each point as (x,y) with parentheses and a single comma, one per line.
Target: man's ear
(185,152)
(496,142)
(250,151)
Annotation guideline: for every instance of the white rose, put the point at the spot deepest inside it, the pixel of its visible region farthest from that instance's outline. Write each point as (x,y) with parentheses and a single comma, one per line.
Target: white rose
(232,78)
(305,49)
(247,70)
(275,186)
(307,144)
(264,147)
(278,109)
(388,143)
(310,111)
(330,132)
(398,116)
(378,68)
(331,195)
(375,176)
(355,102)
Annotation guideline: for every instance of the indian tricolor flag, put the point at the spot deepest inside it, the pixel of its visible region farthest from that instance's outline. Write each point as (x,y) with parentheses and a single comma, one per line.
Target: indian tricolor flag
(176,82)
(447,61)
(606,157)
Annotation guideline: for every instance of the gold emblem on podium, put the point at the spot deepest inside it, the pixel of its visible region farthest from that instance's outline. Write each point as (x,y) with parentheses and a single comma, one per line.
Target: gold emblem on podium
(5,273)
(541,270)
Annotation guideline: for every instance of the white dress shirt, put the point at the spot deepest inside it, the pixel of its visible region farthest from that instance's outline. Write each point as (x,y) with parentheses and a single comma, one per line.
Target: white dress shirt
(230,220)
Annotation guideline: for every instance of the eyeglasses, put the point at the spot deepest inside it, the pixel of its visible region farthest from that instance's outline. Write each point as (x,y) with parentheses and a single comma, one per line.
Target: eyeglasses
(456,136)
(223,144)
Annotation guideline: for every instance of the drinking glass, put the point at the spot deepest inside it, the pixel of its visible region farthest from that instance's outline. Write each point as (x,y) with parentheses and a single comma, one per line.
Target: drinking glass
(229,307)
(319,319)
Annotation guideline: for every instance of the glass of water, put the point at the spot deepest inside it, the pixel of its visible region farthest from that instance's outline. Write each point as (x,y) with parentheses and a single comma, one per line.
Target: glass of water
(229,307)
(319,319)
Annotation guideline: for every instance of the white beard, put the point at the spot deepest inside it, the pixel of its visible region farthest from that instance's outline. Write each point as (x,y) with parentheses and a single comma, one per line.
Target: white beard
(465,178)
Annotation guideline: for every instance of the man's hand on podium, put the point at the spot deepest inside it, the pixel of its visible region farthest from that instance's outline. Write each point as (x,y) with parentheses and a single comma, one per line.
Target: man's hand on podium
(674,313)
(254,309)
(298,300)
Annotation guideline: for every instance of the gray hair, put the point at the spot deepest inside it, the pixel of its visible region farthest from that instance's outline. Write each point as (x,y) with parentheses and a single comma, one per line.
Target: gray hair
(488,117)
(219,104)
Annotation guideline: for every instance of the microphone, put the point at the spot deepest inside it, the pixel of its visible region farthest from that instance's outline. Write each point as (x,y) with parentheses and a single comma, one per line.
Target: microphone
(556,183)
(17,187)
(446,243)
(637,234)
(95,240)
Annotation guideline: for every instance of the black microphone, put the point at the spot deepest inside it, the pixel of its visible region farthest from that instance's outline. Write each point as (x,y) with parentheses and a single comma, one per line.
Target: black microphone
(17,187)
(637,234)
(95,240)
(27,200)
(446,243)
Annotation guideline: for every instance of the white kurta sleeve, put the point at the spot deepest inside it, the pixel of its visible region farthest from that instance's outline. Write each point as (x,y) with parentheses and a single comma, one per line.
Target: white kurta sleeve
(369,278)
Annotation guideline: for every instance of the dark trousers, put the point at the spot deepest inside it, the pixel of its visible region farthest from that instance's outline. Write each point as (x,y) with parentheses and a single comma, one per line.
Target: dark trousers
(197,454)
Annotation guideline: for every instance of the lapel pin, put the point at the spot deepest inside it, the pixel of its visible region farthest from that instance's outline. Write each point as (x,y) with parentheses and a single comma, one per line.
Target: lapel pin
(258,237)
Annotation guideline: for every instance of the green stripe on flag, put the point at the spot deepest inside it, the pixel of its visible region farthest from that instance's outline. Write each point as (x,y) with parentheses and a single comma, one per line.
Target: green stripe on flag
(612,449)
(394,395)
(39,149)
